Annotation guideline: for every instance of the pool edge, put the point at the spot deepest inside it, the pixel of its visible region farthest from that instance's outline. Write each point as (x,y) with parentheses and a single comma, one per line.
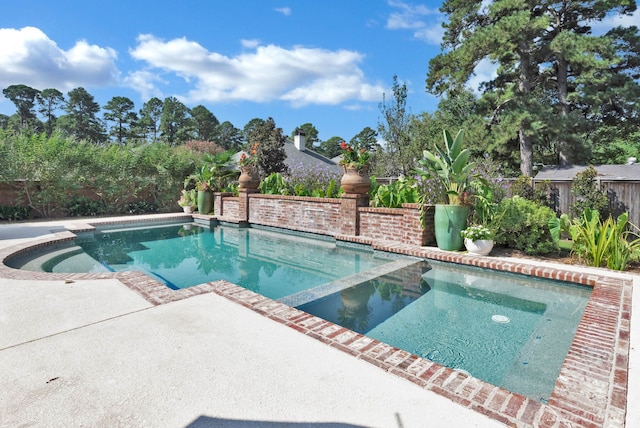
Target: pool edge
(602,337)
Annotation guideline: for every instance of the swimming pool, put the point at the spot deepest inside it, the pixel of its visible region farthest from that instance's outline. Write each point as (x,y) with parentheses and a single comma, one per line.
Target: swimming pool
(510,330)
(185,255)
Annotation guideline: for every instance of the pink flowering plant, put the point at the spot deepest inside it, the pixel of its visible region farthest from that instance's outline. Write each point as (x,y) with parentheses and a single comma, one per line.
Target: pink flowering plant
(252,158)
(354,158)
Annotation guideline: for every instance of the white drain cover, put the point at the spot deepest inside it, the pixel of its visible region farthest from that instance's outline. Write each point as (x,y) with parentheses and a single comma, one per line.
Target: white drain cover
(500,318)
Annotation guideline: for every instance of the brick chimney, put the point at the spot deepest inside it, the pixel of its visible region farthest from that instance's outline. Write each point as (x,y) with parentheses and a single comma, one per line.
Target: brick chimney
(299,140)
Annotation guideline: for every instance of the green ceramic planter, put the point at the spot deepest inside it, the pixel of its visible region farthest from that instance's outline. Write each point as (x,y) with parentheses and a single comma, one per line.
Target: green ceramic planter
(205,202)
(449,221)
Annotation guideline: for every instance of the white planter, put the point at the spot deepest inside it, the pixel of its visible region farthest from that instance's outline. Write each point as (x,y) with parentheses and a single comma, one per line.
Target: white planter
(187,209)
(481,247)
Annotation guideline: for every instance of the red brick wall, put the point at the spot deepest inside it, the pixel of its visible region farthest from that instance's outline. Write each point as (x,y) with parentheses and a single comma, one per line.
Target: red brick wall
(228,209)
(347,216)
(382,223)
(316,215)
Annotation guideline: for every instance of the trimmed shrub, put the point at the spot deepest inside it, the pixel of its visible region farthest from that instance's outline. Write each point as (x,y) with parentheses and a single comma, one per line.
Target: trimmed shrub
(524,225)
(588,194)
(16,213)
(81,206)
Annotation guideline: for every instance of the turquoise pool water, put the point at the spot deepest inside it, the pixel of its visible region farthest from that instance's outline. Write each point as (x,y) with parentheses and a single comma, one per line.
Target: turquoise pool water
(270,263)
(510,330)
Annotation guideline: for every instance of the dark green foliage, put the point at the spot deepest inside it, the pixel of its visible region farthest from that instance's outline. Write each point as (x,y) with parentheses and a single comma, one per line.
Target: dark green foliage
(523,187)
(270,141)
(524,225)
(119,110)
(588,194)
(81,121)
(48,102)
(13,213)
(228,136)
(51,172)
(555,80)
(174,122)
(80,206)
(204,123)
(330,148)
(149,123)
(23,97)
(140,207)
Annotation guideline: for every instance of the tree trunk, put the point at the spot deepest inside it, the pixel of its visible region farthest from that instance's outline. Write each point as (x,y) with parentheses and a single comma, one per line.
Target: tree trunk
(524,84)
(526,153)
(563,146)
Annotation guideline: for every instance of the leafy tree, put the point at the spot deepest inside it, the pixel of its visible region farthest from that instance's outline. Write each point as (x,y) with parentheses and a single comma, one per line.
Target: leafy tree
(80,120)
(270,142)
(4,121)
(547,62)
(150,116)
(24,98)
(228,136)
(589,194)
(331,147)
(365,139)
(174,122)
(249,127)
(204,123)
(120,111)
(49,100)
(310,133)
(395,130)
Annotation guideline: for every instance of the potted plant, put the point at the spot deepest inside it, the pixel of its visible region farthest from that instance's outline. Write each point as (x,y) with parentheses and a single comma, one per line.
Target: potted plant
(355,163)
(188,200)
(213,175)
(202,178)
(478,240)
(249,173)
(450,165)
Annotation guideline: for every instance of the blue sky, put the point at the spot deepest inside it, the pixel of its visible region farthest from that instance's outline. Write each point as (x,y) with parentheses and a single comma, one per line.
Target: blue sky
(325,62)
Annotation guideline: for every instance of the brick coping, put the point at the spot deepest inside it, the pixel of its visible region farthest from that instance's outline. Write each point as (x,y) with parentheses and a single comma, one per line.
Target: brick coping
(591,389)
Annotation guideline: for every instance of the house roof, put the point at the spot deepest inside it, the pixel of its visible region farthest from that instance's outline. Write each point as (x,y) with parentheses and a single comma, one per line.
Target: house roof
(629,172)
(307,159)
(297,159)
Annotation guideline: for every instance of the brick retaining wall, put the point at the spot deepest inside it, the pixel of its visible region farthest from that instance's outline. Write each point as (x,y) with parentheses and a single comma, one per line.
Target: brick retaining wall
(349,215)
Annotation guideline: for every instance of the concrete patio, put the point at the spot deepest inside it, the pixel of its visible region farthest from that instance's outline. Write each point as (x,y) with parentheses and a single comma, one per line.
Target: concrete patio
(95,353)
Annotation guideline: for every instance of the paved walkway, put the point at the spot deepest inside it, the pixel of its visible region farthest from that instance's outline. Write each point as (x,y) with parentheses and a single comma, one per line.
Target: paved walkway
(95,353)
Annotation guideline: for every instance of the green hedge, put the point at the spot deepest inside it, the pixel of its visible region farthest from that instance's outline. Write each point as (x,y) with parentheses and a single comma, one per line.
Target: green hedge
(64,177)
(524,225)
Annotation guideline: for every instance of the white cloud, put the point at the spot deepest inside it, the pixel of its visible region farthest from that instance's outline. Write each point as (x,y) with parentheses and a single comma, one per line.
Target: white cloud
(484,72)
(612,21)
(250,44)
(286,11)
(142,81)
(426,23)
(298,75)
(28,56)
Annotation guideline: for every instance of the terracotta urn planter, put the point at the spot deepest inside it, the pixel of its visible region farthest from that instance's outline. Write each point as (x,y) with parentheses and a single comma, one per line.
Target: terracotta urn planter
(249,178)
(355,181)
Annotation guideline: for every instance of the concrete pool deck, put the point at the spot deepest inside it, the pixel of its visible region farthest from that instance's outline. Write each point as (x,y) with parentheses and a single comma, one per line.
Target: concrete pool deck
(96,353)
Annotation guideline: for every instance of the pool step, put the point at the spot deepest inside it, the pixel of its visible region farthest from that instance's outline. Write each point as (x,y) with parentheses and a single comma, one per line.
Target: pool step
(329,288)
